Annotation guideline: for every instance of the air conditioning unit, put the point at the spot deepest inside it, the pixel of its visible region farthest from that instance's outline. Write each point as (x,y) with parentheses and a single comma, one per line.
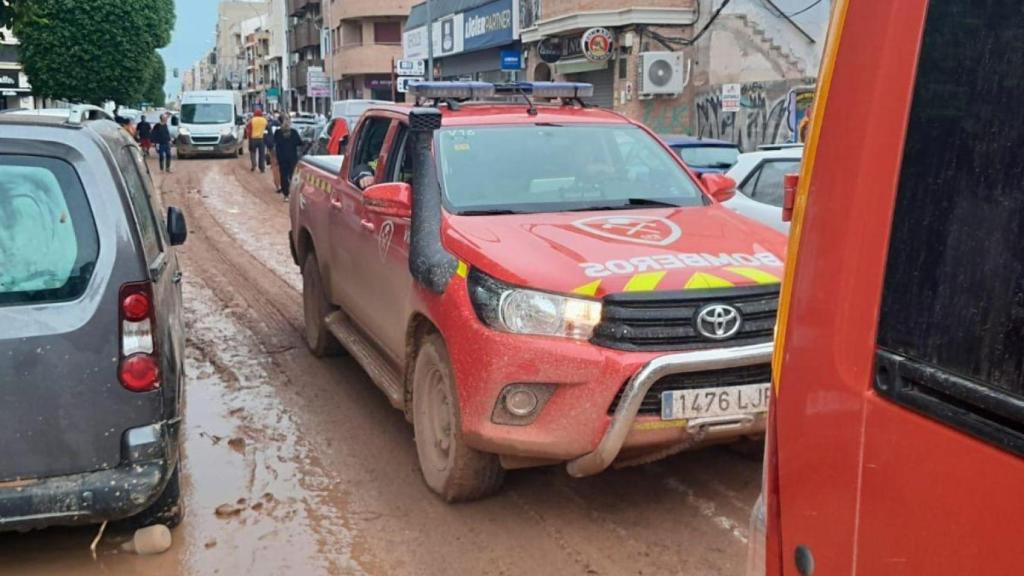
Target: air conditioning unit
(661,73)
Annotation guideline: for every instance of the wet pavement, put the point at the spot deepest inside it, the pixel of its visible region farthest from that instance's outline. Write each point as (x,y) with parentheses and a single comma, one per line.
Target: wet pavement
(299,465)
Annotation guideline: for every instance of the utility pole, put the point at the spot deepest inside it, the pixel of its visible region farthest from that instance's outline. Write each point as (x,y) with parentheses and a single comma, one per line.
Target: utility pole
(430,45)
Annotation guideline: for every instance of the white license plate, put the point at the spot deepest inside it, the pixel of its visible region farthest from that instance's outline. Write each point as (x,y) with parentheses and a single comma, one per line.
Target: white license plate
(204,148)
(724,401)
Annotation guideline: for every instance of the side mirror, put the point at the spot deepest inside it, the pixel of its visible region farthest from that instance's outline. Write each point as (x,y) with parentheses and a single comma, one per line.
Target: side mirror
(721,187)
(177,230)
(391,199)
(790,182)
(239,121)
(175,121)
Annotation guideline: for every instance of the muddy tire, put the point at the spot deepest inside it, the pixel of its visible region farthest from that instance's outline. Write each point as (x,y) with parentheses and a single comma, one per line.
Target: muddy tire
(450,468)
(315,308)
(168,508)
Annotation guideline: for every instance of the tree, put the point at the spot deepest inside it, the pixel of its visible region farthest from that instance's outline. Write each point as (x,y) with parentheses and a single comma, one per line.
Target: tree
(90,50)
(156,75)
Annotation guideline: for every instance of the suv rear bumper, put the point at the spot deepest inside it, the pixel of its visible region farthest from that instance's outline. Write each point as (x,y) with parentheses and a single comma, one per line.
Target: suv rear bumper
(91,497)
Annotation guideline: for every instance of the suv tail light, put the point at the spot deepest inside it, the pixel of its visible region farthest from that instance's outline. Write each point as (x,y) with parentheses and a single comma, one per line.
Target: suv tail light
(139,370)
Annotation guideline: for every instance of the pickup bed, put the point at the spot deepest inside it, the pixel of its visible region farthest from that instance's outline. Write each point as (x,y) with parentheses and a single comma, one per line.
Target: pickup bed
(535,286)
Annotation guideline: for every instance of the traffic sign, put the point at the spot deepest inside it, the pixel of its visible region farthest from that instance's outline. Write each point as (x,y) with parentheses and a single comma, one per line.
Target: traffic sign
(405,81)
(407,67)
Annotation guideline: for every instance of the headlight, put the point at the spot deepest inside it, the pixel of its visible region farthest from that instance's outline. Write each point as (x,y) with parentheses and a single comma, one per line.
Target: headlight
(521,311)
(184,131)
(227,132)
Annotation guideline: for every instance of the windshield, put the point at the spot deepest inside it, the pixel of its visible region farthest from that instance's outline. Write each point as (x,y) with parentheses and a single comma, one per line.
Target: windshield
(207,113)
(708,156)
(554,168)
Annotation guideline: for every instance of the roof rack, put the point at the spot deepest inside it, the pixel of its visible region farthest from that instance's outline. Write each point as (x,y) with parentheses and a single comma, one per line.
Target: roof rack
(83,112)
(455,92)
(785,146)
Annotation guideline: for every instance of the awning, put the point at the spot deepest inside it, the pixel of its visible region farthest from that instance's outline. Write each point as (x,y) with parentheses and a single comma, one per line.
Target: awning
(577,65)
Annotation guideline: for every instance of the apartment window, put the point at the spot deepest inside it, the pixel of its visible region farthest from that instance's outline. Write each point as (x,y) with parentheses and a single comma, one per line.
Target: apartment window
(387,33)
(352,34)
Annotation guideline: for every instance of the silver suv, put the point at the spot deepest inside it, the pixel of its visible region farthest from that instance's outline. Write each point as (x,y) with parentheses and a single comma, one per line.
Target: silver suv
(91,343)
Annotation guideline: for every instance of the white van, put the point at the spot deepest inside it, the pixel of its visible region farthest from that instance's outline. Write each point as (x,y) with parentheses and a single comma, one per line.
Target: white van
(211,123)
(351,110)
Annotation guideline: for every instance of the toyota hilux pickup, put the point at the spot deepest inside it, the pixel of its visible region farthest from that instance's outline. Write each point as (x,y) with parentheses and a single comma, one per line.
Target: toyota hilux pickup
(535,281)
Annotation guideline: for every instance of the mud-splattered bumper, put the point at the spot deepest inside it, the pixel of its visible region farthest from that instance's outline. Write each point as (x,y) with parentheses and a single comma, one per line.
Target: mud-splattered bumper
(91,497)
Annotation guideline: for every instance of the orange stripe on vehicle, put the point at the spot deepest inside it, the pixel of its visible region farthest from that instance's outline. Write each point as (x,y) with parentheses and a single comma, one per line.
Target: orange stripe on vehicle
(828,65)
(660,424)
(644,282)
(701,280)
(759,276)
(463,269)
(589,289)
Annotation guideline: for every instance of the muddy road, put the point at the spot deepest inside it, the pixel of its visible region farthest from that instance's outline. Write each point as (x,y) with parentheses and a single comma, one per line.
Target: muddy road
(298,465)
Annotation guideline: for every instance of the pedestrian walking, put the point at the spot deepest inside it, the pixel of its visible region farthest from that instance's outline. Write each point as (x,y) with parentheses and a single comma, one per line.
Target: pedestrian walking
(256,130)
(161,136)
(143,132)
(287,144)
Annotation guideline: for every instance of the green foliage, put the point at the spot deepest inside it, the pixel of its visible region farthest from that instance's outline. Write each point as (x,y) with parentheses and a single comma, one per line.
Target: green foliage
(91,50)
(156,75)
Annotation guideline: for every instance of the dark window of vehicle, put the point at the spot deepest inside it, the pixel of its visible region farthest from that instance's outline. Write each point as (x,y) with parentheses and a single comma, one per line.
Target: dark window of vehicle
(368,148)
(48,241)
(141,202)
(717,157)
(400,158)
(952,317)
(547,168)
(207,113)
(770,180)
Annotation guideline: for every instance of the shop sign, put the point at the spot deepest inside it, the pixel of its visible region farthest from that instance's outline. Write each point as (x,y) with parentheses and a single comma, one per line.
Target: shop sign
(597,44)
(414,43)
(731,96)
(10,78)
(493,24)
(550,49)
(511,59)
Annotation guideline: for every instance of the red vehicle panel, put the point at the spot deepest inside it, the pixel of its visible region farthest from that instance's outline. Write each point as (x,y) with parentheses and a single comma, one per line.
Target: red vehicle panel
(863,475)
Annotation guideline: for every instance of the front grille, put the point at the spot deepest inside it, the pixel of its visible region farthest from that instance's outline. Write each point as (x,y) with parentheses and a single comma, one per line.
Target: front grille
(739,376)
(661,321)
(206,140)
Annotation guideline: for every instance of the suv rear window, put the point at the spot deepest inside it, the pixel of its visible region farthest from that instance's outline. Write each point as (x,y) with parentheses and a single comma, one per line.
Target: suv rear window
(48,242)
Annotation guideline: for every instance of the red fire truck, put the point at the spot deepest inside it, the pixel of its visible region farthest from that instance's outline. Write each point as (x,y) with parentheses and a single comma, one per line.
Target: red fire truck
(897,427)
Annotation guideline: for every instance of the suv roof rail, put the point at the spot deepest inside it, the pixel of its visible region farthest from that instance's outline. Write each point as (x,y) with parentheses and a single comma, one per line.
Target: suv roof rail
(783,146)
(83,112)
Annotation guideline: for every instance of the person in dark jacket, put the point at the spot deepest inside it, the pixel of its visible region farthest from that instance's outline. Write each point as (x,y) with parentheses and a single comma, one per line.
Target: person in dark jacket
(161,136)
(143,131)
(287,143)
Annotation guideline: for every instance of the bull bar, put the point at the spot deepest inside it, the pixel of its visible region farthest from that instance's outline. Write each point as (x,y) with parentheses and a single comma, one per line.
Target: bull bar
(625,413)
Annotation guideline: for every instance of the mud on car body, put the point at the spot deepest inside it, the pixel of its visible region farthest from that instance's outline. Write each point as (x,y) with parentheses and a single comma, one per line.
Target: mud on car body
(92,342)
(537,284)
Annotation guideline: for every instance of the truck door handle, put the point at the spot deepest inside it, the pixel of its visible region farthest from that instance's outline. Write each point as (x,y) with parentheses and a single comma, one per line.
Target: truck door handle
(177,277)
(367,225)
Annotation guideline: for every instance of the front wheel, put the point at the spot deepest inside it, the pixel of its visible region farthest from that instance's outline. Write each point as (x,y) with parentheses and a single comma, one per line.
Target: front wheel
(450,468)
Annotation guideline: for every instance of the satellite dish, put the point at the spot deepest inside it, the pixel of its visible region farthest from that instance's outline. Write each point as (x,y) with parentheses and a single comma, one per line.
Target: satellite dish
(660,73)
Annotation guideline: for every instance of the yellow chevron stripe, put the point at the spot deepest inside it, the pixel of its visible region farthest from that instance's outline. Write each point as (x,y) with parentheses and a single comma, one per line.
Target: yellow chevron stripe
(759,276)
(701,280)
(644,282)
(463,269)
(589,289)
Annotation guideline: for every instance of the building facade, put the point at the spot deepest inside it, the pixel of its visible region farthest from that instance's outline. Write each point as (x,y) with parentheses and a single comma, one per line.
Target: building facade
(15,91)
(229,65)
(305,23)
(365,40)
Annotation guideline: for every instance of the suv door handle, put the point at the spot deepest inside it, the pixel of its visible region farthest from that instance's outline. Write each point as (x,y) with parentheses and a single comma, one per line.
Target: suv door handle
(177,277)
(367,225)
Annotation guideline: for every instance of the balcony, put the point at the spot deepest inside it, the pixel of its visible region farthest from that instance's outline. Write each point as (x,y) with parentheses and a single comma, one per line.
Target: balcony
(366,59)
(299,73)
(298,7)
(303,35)
(351,9)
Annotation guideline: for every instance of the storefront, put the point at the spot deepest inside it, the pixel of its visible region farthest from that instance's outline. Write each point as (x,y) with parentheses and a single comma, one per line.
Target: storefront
(469,38)
(14,89)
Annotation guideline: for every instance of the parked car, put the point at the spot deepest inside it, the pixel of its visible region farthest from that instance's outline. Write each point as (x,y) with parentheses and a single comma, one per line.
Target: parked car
(92,374)
(759,177)
(704,155)
(536,285)
(83,112)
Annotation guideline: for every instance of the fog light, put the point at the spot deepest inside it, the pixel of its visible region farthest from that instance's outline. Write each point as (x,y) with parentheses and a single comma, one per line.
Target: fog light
(521,402)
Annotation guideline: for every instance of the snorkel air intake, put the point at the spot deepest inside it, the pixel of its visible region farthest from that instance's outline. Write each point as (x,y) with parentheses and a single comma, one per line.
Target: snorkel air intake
(429,263)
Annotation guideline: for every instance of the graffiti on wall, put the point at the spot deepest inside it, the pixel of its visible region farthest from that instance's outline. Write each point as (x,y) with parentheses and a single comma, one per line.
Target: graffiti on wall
(770,113)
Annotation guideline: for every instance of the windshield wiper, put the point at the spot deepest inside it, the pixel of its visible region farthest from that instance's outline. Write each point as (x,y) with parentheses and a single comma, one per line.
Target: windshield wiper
(491,212)
(628,203)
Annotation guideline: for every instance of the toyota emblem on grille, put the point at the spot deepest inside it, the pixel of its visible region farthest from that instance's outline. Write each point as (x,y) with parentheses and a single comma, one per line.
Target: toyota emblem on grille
(718,321)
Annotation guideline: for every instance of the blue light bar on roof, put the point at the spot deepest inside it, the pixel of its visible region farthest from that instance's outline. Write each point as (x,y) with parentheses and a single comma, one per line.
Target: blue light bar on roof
(467,90)
(558,89)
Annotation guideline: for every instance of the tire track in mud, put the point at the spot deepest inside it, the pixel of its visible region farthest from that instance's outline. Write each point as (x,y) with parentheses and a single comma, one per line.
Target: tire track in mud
(632,521)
